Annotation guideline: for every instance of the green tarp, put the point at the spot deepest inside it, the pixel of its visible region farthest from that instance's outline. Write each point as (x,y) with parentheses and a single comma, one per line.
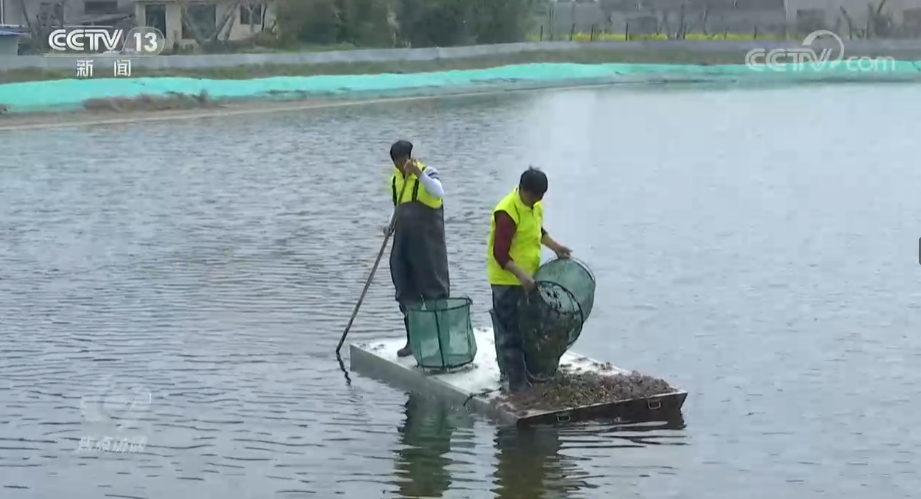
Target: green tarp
(70,94)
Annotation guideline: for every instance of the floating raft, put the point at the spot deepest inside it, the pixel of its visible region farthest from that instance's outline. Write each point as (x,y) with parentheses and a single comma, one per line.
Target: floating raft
(477,385)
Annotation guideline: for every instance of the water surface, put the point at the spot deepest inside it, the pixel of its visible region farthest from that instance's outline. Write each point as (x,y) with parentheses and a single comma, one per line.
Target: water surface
(756,247)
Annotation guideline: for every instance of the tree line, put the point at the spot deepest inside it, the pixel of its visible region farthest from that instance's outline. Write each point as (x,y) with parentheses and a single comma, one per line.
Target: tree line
(362,23)
(404,23)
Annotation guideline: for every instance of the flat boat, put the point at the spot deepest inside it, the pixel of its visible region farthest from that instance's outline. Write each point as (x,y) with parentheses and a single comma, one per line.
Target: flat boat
(477,385)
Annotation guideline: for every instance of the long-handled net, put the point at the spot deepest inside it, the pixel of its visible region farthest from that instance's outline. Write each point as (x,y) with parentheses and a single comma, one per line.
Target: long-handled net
(547,318)
(574,276)
(551,317)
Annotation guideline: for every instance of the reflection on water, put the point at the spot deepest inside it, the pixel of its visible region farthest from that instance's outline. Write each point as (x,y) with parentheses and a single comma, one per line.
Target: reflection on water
(529,463)
(425,441)
(433,435)
(533,463)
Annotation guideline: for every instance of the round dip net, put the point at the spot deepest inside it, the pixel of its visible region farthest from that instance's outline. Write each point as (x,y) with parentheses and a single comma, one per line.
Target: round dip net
(548,318)
(551,317)
(576,278)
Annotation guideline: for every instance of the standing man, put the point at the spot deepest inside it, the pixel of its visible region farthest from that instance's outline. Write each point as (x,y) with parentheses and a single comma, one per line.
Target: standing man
(419,258)
(515,237)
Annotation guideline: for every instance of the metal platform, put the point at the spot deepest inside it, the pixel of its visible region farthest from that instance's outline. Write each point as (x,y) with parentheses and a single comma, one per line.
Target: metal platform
(477,385)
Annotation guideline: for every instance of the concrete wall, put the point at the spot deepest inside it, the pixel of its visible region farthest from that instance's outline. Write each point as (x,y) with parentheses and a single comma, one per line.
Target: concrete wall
(855,48)
(242,31)
(9,46)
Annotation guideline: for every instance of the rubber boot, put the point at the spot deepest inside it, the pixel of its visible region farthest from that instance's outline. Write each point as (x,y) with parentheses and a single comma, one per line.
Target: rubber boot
(407,350)
(500,359)
(517,373)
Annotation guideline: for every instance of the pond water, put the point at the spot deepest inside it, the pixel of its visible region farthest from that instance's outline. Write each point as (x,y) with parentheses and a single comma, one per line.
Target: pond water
(756,247)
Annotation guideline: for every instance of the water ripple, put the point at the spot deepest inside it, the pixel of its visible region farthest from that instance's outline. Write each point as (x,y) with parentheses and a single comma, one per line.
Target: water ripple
(212,265)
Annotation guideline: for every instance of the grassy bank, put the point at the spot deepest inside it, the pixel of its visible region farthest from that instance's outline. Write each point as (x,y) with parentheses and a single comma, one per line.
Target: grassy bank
(582,56)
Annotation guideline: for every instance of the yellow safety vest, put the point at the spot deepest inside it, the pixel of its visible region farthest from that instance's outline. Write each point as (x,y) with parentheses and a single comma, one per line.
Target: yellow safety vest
(525,249)
(413,191)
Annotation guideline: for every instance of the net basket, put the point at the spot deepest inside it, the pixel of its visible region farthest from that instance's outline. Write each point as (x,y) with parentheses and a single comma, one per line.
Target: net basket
(441,333)
(575,277)
(547,318)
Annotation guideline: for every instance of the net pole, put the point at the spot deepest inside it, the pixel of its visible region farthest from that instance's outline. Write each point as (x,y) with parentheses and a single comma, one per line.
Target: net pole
(377,262)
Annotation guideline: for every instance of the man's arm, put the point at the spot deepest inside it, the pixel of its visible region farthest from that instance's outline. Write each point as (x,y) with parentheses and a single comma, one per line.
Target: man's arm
(432,182)
(551,243)
(505,230)
(548,241)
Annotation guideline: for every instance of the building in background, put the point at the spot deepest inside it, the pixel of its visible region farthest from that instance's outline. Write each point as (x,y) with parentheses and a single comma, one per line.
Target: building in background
(244,18)
(67,12)
(9,42)
(234,19)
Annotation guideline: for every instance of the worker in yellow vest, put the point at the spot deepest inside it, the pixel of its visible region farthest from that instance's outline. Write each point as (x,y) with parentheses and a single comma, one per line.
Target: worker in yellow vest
(513,256)
(419,257)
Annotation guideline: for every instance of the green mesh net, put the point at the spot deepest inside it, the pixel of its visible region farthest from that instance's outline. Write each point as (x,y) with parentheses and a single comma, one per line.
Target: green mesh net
(547,318)
(576,278)
(441,333)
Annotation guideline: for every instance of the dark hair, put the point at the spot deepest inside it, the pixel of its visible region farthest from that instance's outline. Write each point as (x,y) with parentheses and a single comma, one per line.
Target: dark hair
(533,181)
(401,149)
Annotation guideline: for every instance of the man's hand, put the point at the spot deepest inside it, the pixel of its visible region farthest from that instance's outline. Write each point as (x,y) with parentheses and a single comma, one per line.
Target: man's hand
(527,283)
(411,167)
(562,251)
(387,229)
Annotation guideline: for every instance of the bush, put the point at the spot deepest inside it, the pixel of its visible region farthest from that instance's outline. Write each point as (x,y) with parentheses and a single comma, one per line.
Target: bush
(326,22)
(308,21)
(421,23)
(445,23)
(365,23)
(433,23)
(501,21)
